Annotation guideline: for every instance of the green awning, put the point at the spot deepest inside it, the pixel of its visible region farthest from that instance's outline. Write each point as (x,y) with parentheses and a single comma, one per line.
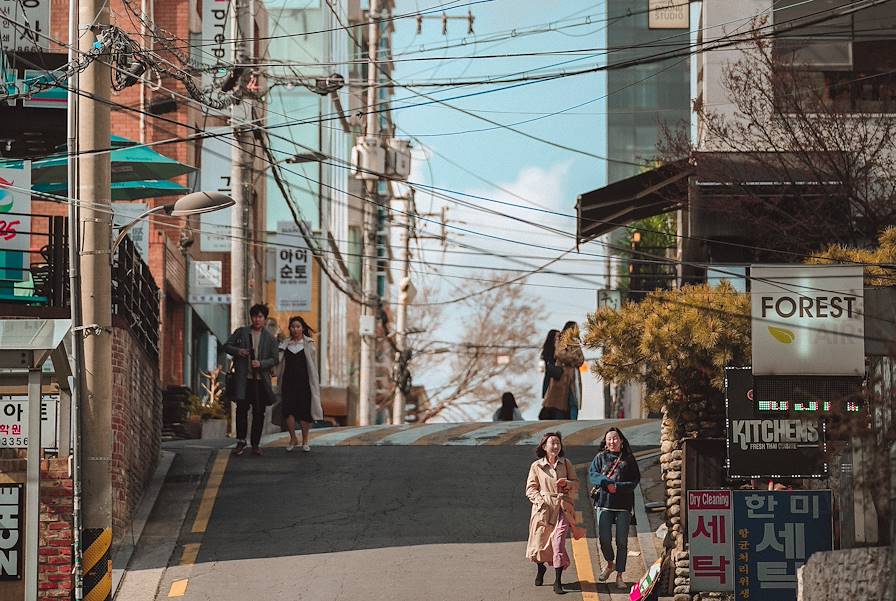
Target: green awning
(135,190)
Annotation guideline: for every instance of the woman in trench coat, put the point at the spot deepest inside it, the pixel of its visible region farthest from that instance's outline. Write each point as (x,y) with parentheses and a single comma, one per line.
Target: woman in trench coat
(552,486)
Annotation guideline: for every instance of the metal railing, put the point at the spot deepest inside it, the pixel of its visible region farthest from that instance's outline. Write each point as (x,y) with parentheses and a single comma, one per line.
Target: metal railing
(135,295)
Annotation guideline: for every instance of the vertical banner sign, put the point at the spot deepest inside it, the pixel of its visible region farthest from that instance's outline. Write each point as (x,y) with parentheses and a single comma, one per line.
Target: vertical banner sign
(11,513)
(711,540)
(14,421)
(293,269)
(808,320)
(770,445)
(214,175)
(668,14)
(215,35)
(32,18)
(775,533)
(15,221)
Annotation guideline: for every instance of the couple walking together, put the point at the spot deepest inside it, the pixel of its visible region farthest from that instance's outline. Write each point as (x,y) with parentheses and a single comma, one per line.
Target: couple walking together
(256,356)
(552,487)
(561,389)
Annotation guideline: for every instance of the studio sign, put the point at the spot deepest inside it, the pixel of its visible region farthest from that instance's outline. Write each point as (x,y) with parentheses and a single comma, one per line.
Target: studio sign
(807,320)
(773,434)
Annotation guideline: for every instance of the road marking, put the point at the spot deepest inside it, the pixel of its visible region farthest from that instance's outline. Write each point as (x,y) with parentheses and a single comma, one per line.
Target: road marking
(582,556)
(191,552)
(178,588)
(211,491)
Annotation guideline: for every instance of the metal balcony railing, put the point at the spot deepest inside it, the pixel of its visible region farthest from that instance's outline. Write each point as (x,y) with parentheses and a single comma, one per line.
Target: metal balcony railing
(135,296)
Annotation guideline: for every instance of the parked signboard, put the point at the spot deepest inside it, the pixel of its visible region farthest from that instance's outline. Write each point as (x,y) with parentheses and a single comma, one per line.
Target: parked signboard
(11,524)
(808,320)
(761,445)
(776,532)
(711,539)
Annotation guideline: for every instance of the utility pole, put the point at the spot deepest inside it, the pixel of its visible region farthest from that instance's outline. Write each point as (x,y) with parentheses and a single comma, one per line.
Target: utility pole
(405,296)
(96,305)
(368,314)
(239,181)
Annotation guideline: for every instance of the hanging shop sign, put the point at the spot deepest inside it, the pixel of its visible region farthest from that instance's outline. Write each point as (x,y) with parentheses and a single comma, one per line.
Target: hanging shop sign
(711,539)
(808,320)
(14,421)
(776,532)
(207,274)
(769,445)
(214,174)
(11,526)
(215,36)
(15,221)
(668,14)
(293,268)
(25,25)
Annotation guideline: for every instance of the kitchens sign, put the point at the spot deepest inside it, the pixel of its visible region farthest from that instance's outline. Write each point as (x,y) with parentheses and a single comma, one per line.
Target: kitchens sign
(808,320)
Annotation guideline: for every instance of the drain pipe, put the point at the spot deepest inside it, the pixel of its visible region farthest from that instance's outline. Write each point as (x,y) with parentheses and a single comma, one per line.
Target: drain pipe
(74,267)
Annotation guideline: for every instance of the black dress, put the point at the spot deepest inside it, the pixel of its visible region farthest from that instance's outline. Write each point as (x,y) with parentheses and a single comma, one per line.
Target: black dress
(296,388)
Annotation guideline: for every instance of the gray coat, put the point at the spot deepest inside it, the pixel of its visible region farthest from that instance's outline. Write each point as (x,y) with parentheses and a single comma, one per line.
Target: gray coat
(267,355)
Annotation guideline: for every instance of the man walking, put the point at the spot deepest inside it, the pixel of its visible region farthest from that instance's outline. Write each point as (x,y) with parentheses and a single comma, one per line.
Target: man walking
(254,352)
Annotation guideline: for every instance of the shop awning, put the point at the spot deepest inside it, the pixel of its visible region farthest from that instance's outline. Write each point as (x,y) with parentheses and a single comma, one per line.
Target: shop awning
(147,188)
(650,193)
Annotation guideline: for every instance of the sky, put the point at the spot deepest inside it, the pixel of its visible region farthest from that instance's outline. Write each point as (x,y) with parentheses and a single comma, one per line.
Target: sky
(509,166)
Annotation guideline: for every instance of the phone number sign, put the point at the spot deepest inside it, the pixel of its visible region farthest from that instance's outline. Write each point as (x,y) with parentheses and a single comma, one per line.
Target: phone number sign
(14,421)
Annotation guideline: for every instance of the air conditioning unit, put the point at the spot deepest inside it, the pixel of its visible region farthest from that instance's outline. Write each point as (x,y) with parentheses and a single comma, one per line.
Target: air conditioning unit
(398,158)
(368,158)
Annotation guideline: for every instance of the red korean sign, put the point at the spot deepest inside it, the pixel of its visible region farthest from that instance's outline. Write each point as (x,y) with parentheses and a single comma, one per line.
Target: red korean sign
(710,534)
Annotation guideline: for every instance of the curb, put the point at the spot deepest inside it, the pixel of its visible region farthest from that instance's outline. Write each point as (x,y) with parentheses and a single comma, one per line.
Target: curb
(121,556)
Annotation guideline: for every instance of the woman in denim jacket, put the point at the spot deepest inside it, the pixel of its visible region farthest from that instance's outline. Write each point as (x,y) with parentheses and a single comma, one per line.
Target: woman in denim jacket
(614,474)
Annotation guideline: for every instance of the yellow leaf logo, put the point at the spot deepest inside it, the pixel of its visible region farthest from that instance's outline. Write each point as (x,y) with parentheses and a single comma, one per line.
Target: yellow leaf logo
(781,335)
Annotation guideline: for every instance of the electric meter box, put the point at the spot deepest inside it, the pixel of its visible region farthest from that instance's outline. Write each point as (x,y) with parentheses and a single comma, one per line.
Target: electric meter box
(368,159)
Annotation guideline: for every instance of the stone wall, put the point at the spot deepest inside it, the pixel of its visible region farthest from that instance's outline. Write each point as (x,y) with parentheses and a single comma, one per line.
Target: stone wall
(847,574)
(698,418)
(136,423)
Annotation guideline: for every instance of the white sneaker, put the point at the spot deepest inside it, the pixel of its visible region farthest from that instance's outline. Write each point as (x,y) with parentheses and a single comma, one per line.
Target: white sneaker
(306,448)
(290,447)
(620,583)
(607,571)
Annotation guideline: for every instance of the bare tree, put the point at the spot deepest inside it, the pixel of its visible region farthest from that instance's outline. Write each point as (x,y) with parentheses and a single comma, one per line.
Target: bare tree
(477,348)
(805,157)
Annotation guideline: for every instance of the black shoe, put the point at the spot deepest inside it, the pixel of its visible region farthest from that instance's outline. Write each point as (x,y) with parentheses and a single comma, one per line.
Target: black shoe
(240,447)
(558,588)
(539,578)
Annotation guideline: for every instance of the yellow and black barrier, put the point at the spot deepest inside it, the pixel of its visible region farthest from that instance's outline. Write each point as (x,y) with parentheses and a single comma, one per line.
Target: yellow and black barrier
(97,564)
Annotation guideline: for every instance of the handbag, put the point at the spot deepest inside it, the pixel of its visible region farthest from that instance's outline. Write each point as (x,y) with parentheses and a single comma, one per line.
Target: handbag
(594,493)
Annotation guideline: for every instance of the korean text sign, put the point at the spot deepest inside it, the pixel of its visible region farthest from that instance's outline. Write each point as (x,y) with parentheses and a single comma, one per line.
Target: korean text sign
(768,445)
(15,220)
(711,540)
(775,533)
(14,421)
(293,267)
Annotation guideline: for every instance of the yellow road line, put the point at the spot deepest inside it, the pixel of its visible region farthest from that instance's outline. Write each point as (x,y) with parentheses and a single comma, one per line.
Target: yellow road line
(211,491)
(582,556)
(178,588)
(188,557)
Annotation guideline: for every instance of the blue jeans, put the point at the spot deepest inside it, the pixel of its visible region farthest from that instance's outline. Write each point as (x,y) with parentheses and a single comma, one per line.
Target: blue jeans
(605,518)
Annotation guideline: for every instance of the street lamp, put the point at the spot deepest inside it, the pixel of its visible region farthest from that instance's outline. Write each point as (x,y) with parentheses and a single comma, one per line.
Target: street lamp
(191,204)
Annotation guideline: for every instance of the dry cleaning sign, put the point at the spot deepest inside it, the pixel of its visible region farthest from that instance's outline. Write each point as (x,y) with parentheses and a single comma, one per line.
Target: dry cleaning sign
(808,320)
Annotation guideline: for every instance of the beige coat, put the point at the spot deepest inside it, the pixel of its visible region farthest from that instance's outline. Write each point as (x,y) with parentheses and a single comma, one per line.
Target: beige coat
(547,503)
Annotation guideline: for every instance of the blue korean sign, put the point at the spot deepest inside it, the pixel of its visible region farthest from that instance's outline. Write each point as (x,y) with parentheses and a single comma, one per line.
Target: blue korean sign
(774,534)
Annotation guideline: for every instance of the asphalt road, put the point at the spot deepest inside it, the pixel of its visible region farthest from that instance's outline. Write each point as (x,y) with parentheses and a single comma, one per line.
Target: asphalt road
(365,523)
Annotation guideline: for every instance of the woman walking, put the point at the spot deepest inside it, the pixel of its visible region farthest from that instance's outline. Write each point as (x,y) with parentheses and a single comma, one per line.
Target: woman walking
(570,357)
(555,384)
(299,382)
(508,411)
(614,474)
(551,487)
